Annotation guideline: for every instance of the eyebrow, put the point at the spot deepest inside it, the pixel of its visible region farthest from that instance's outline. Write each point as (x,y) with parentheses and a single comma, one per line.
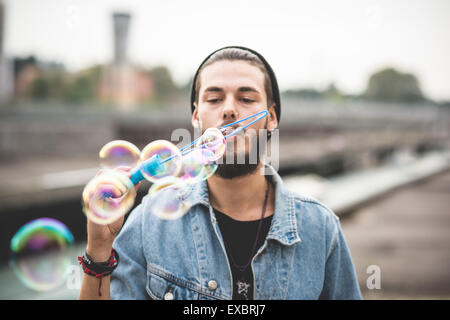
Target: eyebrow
(247,89)
(240,89)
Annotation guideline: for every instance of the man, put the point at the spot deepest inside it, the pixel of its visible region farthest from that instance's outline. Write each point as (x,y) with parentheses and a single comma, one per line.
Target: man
(245,236)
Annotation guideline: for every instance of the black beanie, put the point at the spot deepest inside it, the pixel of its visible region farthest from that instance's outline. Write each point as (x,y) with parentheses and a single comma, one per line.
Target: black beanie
(273,79)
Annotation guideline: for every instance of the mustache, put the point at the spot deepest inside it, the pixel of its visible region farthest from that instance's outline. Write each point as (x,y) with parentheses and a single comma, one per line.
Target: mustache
(231,129)
(226,123)
(240,124)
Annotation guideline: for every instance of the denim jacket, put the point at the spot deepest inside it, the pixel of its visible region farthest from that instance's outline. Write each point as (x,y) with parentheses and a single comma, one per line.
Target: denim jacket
(305,254)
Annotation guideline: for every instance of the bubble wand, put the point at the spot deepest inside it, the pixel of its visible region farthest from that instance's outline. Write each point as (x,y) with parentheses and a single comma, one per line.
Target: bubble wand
(155,164)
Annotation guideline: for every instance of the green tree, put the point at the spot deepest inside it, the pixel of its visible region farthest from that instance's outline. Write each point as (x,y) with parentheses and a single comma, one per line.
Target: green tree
(40,89)
(333,93)
(393,86)
(165,88)
(83,86)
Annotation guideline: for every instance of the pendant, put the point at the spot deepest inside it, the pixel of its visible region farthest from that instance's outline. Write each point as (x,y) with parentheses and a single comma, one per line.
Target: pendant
(242,288)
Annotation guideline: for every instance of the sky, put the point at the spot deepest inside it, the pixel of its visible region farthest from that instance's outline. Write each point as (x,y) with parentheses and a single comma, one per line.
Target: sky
(308,43)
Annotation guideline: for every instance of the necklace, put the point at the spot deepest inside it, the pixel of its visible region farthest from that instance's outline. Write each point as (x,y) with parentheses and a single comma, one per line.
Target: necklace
(242,268)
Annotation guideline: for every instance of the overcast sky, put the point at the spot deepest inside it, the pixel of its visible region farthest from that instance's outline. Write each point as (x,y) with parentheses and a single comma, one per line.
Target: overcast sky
(308,43)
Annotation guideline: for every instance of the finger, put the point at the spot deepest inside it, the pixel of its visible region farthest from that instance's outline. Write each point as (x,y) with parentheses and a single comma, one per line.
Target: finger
(104,185)
(110,191)
(123,168)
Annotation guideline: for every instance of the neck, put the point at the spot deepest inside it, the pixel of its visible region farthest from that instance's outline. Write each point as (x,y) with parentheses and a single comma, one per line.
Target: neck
(241,198)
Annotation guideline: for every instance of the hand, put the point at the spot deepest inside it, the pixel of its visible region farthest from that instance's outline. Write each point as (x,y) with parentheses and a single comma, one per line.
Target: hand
(101,237)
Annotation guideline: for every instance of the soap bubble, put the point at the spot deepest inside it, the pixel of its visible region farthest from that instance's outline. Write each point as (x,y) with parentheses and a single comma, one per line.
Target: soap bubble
(167,198)
(108,196)
(209,170)
(197,166)
(213,140)
(119,153)
(39,252)
(194,163)
(165,150)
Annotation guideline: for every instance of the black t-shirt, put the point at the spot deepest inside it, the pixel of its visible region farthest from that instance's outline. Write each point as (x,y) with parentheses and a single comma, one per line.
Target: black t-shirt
(239,238)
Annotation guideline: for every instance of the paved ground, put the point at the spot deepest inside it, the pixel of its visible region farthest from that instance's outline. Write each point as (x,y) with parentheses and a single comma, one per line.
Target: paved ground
(407,235)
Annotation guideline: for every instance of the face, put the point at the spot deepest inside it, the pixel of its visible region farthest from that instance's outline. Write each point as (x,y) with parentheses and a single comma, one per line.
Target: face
(230,91)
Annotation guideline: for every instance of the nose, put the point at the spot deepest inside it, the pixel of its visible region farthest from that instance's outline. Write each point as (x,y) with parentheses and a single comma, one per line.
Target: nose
(229,113)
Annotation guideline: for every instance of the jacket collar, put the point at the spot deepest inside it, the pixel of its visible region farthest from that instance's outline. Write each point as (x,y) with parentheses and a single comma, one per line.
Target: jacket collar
(284,222)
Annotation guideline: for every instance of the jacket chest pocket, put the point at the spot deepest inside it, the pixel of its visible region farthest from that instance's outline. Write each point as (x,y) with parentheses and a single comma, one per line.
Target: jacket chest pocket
(159,288)
(161,285)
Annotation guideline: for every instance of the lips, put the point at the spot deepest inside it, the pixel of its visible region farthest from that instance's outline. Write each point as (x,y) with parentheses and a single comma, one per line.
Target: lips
(230,130)
(233,137)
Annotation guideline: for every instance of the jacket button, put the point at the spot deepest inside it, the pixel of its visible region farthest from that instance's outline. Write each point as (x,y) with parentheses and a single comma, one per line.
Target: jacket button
(168,296)
(212,285)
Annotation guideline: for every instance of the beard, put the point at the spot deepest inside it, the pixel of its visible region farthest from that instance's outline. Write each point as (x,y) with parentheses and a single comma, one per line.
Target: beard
(234,170)
(242,162)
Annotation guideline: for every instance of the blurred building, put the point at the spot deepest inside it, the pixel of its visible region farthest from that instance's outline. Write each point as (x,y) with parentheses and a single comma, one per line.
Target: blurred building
(26,72)
(33,78)
(6,73)
(123,84)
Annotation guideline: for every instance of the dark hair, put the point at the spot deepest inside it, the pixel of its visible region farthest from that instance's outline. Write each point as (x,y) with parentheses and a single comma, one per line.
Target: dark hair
(234,53)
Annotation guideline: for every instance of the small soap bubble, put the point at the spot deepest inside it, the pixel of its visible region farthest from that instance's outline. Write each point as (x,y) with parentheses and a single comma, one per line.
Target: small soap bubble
(197,166)
(165,150)
(108,196)
(209,170)
(193,165)
(119,153)
(167,198)
(213,140)
(39,253)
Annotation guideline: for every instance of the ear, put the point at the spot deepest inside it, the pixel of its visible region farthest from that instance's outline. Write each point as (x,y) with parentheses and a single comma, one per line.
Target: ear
(272,122)
(194,120)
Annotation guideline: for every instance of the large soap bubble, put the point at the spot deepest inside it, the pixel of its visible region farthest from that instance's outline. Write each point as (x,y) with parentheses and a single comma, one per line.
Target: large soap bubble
(108,196)
(119,153)
(167,198)
(166,150)
(213,140)
(39,253)
(196,165)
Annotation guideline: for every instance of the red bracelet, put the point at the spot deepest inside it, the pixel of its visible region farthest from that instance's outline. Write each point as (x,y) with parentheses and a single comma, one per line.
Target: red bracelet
(99,269)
